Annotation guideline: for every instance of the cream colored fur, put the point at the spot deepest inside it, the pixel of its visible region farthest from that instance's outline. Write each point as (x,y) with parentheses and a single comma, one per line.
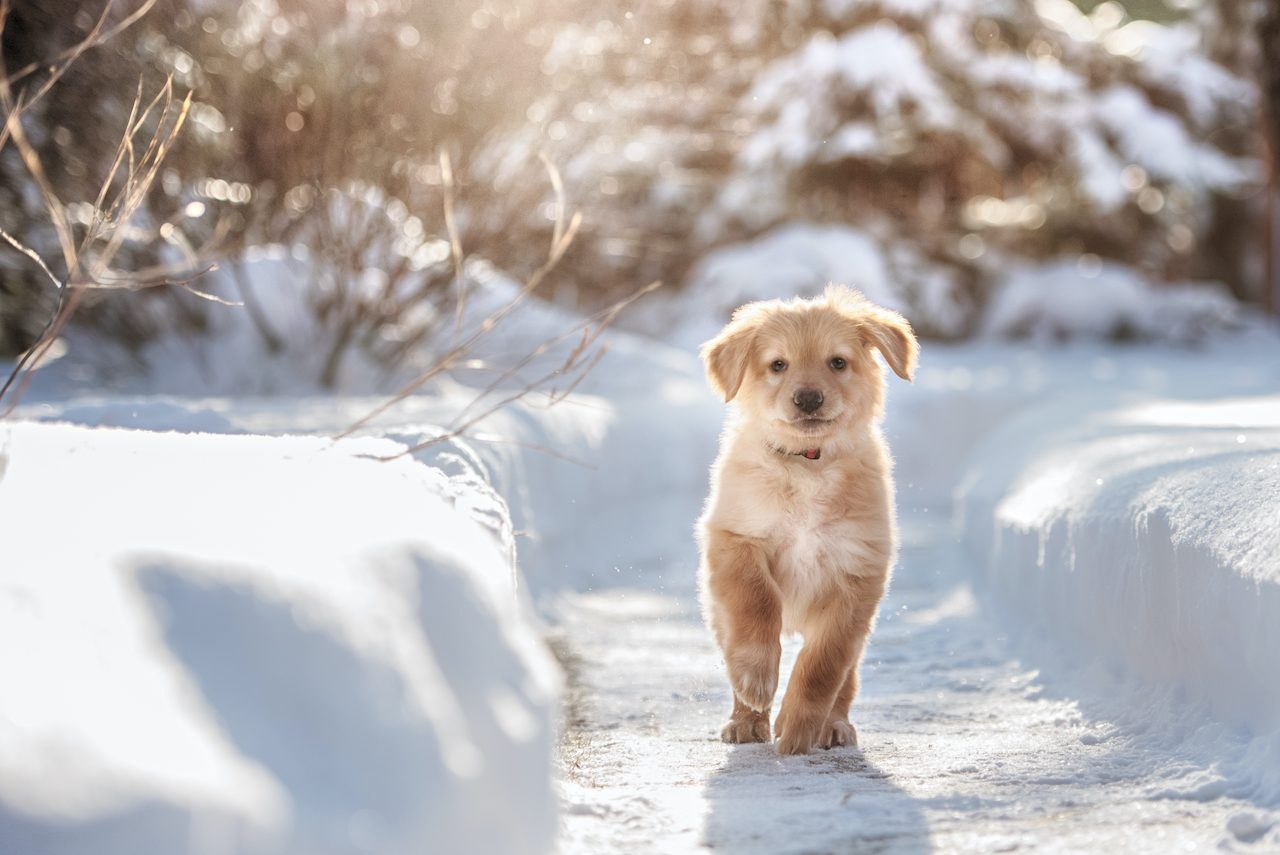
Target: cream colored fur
(792,544)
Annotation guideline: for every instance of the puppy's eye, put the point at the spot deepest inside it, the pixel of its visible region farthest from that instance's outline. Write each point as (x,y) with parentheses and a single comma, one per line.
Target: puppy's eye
(778,365)
(838,363)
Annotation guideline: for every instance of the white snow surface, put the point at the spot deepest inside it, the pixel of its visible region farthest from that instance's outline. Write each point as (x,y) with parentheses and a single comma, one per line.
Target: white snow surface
(1073,698)
(999,712)
(261,644)
(1145,541)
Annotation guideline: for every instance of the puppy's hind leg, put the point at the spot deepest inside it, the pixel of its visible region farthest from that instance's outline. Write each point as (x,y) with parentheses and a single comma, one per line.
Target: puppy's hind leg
(744,609)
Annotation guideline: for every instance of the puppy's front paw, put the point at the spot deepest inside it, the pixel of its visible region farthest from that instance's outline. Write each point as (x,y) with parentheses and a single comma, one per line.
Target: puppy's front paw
(745,728)
(798,729)
(754,675)
(838,732)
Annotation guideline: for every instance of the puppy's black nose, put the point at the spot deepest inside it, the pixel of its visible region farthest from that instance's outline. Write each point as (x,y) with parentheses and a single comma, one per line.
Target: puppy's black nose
(807,400)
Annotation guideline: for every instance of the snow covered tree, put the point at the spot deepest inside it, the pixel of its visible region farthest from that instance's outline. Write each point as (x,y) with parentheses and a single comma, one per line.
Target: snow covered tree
(963,135)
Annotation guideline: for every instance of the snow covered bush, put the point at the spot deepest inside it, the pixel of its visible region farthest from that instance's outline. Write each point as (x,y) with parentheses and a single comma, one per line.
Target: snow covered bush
(1061,300)
(798,259)
(262,644)
(961,136)
(992,131)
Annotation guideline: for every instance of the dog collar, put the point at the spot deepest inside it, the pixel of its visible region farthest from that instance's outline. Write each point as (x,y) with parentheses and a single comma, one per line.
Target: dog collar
(808,453)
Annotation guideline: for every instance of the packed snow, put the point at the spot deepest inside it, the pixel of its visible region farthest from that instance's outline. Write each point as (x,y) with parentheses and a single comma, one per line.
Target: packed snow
(341,652)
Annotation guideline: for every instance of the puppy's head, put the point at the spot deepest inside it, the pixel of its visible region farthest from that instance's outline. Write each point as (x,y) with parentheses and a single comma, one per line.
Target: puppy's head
(805,368)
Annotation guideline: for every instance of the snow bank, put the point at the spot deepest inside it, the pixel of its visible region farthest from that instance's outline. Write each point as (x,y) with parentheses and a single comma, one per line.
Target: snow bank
(603,487)
(1144,538)
(249,644)
(1093,299)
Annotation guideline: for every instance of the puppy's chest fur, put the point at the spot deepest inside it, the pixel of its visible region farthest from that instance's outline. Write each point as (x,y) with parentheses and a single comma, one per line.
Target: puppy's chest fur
(821,522)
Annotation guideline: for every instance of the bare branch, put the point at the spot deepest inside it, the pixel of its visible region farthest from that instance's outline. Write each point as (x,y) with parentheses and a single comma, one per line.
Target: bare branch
(602,318)
(558,187)
(455,243)
(23,104)
(31,254)
(110,223)
(204,295)
(95,38)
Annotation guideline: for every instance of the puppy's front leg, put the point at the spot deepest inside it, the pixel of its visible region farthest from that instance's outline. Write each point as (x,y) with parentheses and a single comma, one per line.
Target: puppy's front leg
(825,680)
(744,609)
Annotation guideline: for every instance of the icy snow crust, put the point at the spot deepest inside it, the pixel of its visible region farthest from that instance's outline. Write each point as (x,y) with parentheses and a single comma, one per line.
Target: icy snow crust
(1010,697)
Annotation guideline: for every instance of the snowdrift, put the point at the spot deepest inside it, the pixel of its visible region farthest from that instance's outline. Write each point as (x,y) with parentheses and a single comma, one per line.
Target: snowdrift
(256,644)
(1144,538)
(603,487)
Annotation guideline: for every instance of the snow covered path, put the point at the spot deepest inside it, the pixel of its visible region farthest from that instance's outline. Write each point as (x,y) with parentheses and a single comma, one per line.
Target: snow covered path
(962,748)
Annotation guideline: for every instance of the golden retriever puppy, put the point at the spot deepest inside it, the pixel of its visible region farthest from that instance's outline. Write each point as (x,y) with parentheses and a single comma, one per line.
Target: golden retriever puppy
(798,534)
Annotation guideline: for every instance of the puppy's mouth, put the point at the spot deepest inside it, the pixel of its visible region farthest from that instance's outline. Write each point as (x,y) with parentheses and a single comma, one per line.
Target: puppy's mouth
(810,424)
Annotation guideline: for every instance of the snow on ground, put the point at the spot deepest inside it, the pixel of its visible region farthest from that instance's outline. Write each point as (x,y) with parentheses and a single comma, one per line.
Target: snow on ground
(1145,541)
(963,747)
(978,732)
(1146,536)
(639,432)
(222,644)
(981,729)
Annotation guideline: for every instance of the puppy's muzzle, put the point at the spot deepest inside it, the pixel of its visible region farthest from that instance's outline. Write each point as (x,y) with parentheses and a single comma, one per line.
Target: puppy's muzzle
(807,400)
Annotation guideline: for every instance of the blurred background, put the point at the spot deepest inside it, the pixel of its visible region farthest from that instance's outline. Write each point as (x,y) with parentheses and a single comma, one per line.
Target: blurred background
(987,167)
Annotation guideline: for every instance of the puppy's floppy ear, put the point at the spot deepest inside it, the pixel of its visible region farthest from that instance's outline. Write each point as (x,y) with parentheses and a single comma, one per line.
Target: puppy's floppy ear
(891,333)
(728,355)
(886,330)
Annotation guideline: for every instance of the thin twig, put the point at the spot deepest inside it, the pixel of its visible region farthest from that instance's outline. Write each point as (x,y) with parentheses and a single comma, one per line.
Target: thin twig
(571,366)
(31,254)
(110,223)
(455,243)
(71,55)
(204,295)
(96,36)
(558,187)
(447,361)
(602,317)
